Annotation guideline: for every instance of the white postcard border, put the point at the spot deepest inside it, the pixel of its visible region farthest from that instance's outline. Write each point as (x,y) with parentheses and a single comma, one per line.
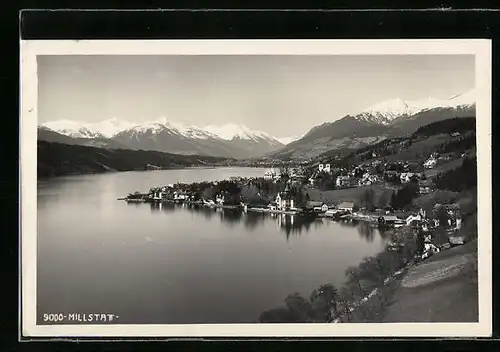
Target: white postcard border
(481,48)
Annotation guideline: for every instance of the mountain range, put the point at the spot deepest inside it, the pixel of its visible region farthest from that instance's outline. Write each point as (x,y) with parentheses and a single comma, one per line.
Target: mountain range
(231,140)
(389,118)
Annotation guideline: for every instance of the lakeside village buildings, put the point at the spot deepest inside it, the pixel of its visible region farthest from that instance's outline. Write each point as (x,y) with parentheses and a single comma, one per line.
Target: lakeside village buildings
(378,172)
(375,172)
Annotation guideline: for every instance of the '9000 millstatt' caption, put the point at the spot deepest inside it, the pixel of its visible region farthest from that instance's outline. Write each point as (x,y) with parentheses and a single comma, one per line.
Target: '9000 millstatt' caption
(95,318)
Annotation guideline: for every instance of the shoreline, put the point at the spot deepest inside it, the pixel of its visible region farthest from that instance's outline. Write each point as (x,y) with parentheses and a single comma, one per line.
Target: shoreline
(93,172)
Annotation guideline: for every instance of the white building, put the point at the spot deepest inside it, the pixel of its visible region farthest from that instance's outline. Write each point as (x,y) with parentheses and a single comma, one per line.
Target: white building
(430,163)
(283,202)
(157,195)
(219,199)
(179,196)
(321,167)
(413,218)
(405,177)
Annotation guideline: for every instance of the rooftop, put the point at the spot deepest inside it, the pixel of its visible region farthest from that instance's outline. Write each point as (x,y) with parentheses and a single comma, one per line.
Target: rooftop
(346,205)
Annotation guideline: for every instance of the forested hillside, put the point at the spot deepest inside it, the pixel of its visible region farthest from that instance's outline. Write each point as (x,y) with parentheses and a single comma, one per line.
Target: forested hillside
(56,159)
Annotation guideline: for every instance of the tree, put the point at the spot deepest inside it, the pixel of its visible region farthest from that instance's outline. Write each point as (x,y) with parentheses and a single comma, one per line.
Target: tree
(284,172)
(371,270)
(346,301)
(404,196)
(368,199)
(208,193)
(301,309)
(325,302)
(353,277)
(250,194)
(463,177)
(442,216)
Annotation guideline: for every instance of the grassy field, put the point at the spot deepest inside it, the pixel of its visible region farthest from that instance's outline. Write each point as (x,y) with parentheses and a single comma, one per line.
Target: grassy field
(447,291)
(443,167)
(419,151)
(438,196)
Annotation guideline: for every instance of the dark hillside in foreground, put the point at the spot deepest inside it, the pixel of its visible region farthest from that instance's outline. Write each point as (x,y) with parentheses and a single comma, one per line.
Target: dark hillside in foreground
(57,159)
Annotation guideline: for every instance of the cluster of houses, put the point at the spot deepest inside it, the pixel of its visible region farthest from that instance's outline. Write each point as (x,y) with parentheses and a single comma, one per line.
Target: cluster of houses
(431,162)
(366,175)
(295,175)
(285,202)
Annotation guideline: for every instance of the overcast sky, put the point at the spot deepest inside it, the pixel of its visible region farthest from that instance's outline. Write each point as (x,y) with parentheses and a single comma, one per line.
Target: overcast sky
(280,95)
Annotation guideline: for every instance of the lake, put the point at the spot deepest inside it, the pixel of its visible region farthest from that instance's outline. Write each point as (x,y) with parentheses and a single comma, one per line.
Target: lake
(174,264)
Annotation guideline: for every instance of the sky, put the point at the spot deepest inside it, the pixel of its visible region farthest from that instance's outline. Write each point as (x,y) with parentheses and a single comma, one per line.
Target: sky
(280,95)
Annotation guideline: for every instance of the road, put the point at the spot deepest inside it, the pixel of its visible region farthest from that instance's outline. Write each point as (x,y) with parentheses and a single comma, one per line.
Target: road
(440,289)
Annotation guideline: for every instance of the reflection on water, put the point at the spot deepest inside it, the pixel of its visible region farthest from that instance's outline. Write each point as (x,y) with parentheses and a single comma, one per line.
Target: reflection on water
(366,231)
(289,224)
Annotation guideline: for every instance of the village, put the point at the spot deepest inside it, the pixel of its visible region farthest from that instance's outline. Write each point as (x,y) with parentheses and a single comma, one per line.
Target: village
(310,191)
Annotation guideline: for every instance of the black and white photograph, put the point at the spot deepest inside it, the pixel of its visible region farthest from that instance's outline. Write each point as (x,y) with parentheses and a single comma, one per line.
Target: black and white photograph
(329,188)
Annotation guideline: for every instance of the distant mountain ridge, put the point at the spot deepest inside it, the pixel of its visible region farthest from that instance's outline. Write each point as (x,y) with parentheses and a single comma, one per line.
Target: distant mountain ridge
(390,118)
(229,140)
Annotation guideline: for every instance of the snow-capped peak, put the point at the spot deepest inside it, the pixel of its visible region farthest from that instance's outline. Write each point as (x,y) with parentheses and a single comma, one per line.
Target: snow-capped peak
(111,127)
(231,131)
(73,129)
(386,111)
(78,129)
(163,123)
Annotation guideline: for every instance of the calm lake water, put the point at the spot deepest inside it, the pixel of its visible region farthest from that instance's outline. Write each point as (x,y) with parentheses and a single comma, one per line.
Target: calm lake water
(179,264)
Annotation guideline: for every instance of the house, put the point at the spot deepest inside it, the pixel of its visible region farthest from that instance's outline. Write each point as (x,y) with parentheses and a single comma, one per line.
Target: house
(271,175)
(452,209)
(284,200)
(333,211)
(430,163)
(389,220)
(368,179)
(343,181)
(321,167)
(425,186)
(312,179)
(318,207)
(219,199)
(324,208)
(272,206)
(179,196)
(156,195)
(391,175)
(412,218)
(346,206)
(405,177)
